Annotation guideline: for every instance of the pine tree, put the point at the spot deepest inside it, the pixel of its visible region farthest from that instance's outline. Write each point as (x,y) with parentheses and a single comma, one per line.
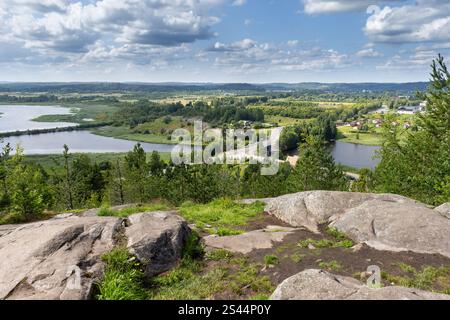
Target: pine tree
(420,166)
(68,181)
(315,169)
(136,174)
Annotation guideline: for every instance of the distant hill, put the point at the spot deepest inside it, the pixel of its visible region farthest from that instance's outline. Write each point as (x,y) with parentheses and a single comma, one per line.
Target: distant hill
(98,87)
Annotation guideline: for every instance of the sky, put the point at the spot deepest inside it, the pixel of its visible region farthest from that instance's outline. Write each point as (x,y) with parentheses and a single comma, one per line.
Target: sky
(255,41)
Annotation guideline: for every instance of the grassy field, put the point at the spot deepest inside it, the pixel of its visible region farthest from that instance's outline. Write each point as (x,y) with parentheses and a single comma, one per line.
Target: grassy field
(158,131)
(127,134)
(347,134)
(83,113)
(285,121)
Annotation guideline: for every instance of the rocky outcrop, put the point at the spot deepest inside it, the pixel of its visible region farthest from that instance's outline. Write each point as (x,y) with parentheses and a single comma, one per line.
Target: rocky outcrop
(396,227)
(247,242)
(61,258)
(382,221)
(444,210)
(313,208)
(320,285)
(55,259)
(157,239)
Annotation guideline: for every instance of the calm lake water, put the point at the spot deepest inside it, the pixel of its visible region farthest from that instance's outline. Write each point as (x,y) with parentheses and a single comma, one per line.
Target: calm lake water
(355,155)
(78,142)
(18,118)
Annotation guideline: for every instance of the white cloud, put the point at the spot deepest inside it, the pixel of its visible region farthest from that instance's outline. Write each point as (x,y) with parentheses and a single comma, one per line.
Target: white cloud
(238,3)
(331,6)
(424,21)
(249,56)
(71,29)
(369,53)
(420,59)
(152,32)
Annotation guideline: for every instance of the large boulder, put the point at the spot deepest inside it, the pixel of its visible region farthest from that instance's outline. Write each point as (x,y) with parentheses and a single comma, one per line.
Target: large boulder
(157,239)
(382,221)
(55,259)
(61,258)
(313,208)
(320,285)
(396,226)
(444,210)
(247,242)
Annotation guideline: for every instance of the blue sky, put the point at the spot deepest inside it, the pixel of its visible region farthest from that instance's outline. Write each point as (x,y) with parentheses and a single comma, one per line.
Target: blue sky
(222,40)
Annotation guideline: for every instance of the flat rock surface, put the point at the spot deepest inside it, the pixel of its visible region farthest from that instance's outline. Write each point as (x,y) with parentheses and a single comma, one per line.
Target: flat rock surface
(247,242)
(157,239)
(55,259)
(396,227)
(315,284)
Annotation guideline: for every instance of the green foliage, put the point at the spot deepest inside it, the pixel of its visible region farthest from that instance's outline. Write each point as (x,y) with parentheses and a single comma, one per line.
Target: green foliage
(319,244)
(340,241)
(316,170)
(271,260)
(255,185)
(122,213)
(187,283)
(222,213)
(107,212)
(420,167)
(248,277)
(297,257)
(193,248)
(219,255)
(25,192)
(225,232)
(331,266)
(365,183)
(123,279)
(260,297)
(429,278)
(136,173)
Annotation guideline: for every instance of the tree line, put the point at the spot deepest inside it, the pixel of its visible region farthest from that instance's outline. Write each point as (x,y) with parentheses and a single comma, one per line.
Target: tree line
(28,190)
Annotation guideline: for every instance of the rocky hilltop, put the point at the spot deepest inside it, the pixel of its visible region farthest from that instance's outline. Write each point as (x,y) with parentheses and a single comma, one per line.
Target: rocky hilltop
(61,258)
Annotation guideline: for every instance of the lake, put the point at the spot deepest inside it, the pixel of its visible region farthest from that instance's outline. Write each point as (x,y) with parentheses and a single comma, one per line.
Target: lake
(18,117)
(79,142)
(355,155)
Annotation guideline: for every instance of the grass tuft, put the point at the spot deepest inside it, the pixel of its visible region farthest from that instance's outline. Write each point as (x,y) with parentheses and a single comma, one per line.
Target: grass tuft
(331,266)
(123,279)
(224,216)
(123,213)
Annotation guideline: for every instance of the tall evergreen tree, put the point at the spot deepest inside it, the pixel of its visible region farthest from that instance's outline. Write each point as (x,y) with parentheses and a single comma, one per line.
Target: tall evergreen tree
(315,169)
(420,166)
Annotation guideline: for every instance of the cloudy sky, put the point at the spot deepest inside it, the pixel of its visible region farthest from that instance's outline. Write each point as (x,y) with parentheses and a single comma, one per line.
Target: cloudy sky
(222,40)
